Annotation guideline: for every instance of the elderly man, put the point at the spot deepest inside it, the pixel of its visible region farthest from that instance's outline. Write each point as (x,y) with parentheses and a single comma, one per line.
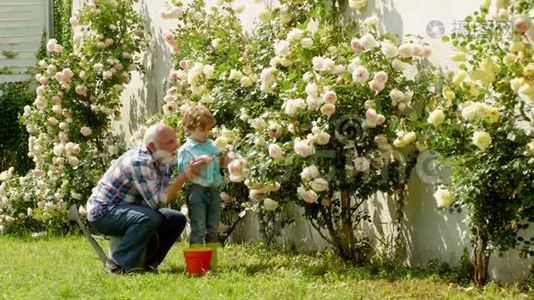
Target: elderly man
(129,199)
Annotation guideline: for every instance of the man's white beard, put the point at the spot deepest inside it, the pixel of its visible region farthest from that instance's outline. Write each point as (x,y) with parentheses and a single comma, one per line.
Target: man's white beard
(163,156)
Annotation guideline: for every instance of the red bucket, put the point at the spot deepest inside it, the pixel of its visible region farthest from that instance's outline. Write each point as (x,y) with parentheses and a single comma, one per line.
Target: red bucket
(197,260)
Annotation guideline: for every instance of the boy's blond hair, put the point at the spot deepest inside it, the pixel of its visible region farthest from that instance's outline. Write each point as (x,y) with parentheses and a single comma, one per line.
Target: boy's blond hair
(197,116)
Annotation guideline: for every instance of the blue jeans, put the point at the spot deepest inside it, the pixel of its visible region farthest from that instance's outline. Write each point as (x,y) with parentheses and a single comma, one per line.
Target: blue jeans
(204,205)
(141,228)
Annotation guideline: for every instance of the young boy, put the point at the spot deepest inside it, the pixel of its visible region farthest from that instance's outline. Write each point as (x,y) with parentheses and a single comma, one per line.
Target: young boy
(202,193)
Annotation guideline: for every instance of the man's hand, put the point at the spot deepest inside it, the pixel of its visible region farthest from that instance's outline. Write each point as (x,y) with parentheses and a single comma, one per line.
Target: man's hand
(224,159)
(194,169)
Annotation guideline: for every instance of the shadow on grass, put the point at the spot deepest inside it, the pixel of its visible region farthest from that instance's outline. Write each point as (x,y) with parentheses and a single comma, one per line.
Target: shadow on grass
(174,269)
(247,269)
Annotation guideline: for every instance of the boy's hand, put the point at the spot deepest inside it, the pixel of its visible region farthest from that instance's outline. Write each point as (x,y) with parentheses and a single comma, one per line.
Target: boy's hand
(194,169)
(205,158)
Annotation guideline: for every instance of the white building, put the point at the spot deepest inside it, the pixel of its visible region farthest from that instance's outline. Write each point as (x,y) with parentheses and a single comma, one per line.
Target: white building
(22,23)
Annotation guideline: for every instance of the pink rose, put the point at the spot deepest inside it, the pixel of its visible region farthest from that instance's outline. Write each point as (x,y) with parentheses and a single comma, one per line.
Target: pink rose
(357,45)
(328,109)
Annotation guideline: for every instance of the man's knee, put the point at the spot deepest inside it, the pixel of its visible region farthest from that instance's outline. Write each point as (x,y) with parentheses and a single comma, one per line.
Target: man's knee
(177,220)
(154,221)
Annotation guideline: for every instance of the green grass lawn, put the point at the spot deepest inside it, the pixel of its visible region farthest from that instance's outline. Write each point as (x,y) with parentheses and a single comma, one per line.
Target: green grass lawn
(53,268)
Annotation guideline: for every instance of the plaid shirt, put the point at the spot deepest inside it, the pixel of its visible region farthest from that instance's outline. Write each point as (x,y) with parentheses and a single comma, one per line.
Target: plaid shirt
(136,178)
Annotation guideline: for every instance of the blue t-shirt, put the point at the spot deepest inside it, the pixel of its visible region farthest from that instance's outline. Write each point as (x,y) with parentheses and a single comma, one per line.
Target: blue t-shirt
(191,150)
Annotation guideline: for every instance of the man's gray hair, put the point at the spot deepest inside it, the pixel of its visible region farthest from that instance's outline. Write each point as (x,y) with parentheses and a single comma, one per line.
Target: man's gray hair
(151,135)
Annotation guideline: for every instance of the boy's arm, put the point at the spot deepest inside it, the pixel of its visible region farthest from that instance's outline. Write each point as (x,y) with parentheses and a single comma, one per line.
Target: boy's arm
(183,160)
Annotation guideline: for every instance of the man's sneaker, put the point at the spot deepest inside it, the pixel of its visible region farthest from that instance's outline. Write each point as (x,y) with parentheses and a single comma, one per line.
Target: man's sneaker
(113,268)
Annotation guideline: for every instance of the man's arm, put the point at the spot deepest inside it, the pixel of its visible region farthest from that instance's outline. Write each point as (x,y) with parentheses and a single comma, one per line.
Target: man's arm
(192,171)
(148,183)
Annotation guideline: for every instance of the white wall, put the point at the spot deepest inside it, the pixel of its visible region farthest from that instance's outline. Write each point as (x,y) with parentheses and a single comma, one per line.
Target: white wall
(428,233)
(21,25)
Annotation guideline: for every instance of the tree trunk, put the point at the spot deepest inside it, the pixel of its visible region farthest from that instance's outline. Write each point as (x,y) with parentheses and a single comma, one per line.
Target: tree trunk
(348,240)
(482,256)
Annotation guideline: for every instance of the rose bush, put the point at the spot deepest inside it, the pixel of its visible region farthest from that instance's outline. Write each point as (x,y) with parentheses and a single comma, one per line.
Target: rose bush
(314,113)
(482,125)
(70,121)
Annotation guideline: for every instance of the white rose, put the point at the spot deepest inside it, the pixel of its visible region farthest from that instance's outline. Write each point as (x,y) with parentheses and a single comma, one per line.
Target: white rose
(113,150)
(369,41)
(255,194)
(208,71)
(52,121)
(107,75)
(481,139)
(360,74)
(376,86)
(265,16)
(63,126)
(98,67)
(444,197)
(357,45)
(380,139)
(267,75)
(306,43)
(526,92)
(509,59)
(436,117)
(399,65)
(81,90)
(330,97)
(275,151)
(309,173)
(236,178)
(273,187)
(381,77)
(358,4)
(361,164)
(389,50)
(57,109)
(291,107)
(459,77)
(270,204)
(235,167)
(215,43)
(225,197)
(426,51)
(397,96)
(328,109)
(522,24)
(294,35)
(313,102)
(246,81)
(281,48)
(319,185)
(307,196)
(372,21)
(75,195)
(58,149)
(322,138)
(406,50)
(73,161)
(86,131)
(235,75)
(303,148)
(312,89)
